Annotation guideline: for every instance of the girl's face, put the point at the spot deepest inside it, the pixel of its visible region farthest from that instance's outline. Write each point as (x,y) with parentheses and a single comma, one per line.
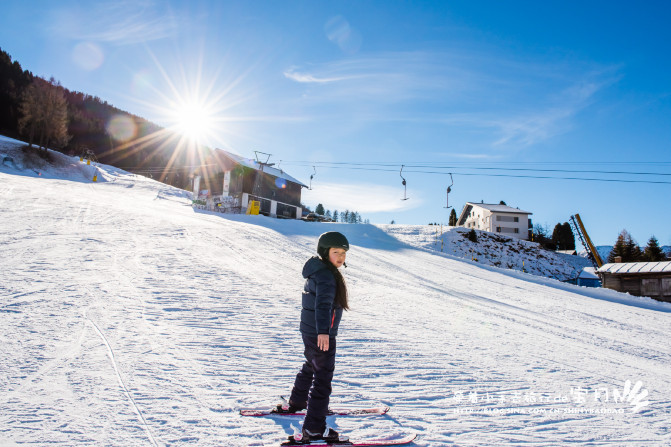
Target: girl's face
(337,256)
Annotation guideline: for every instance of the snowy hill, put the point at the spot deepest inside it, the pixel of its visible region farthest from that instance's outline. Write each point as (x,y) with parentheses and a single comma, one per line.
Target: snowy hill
(491,249)
(127,318)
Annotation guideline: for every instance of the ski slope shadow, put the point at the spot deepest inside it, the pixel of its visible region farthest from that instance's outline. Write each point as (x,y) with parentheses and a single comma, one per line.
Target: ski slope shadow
(361,235)
(589,292)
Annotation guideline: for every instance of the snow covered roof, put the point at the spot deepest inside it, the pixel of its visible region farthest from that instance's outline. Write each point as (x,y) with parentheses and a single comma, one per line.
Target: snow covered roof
(567,252)
(496,208)
(249,163)
(636,267)
(588,273)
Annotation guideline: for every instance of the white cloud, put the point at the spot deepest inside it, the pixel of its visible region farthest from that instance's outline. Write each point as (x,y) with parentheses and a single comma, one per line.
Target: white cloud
(309,78)
(506,102)
(118,22)
(393,76)
(530,128)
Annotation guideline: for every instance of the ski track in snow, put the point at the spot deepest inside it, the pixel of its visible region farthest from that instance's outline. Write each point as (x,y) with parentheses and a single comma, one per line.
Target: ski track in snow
(127,318)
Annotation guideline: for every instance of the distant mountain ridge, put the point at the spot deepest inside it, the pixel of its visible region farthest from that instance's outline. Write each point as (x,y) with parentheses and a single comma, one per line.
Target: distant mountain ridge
(604,251)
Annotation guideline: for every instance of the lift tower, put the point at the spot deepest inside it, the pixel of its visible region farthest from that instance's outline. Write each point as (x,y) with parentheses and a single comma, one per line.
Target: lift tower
(579,229)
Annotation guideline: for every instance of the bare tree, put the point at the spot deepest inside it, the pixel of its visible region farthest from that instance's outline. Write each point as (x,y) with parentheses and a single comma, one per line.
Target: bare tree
(31,111)
(44,113)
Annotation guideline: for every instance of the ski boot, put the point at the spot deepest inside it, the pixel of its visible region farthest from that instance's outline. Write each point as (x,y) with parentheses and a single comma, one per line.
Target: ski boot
(288,407)
(329,436)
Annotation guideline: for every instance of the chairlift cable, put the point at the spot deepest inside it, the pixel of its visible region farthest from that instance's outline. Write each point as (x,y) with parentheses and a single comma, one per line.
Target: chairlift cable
(509,175)
(465,166)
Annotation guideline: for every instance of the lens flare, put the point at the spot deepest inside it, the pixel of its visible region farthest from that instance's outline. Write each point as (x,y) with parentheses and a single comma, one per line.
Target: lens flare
(143,82)
(122,128)
(280,183)
(339,31)
(88,56)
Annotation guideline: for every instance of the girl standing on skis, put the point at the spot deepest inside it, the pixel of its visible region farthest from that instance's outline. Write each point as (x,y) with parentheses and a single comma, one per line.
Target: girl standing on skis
(324,299)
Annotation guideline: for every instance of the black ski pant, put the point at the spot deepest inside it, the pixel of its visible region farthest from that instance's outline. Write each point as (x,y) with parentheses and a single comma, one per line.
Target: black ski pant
(313,383)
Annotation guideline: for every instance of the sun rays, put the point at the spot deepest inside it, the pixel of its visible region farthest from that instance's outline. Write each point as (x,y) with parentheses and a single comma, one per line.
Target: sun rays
(191,106)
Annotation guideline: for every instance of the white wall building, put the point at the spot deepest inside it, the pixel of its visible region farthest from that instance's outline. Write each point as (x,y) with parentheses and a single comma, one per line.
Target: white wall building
(495,219)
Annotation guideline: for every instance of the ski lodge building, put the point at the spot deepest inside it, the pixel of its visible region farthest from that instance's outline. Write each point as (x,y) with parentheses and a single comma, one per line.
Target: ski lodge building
(501,219)
(228,183)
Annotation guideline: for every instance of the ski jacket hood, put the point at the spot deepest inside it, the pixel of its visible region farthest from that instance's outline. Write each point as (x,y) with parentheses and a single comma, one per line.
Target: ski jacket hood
(320,314)
(313,265)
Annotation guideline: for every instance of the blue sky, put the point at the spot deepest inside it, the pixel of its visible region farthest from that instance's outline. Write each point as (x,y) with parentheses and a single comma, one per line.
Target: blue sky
(478,89)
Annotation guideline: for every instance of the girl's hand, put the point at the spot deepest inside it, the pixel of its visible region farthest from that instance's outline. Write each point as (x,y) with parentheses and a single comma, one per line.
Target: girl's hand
(323,342)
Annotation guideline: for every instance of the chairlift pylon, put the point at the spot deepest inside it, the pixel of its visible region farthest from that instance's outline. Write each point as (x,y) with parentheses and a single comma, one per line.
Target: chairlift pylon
(262,163)
(405,184)
(449,190)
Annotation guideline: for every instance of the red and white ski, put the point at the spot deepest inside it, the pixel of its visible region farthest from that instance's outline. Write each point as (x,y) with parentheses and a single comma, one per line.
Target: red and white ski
(356,443)
(332,412)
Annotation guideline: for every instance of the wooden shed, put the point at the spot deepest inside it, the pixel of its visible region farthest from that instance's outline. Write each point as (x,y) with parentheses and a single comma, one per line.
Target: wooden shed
(651,279)
(228,182)
(588,278)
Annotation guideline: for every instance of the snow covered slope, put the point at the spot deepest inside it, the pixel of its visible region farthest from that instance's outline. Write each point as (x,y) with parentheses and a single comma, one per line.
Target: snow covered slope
(491,249)
(126,319)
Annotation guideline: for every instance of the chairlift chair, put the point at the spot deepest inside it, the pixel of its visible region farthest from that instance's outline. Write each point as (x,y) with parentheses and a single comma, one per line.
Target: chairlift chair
(405,185)
(449,190)
(311,177)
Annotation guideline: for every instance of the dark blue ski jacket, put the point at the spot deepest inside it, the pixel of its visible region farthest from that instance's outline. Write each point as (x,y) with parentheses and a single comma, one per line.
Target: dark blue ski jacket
(320,313)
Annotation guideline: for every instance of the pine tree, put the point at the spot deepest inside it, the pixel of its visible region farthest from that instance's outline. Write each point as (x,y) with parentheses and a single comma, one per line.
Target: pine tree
(320,209)
(562,237)
(335,216)
(567,238)
(556,237)
(453,218)
(634,253)
(626,248)
(653,252)
(345,216)
(328,214)
(619,248)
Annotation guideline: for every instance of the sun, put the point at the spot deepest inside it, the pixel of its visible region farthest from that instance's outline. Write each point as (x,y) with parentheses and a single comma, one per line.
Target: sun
(194,119)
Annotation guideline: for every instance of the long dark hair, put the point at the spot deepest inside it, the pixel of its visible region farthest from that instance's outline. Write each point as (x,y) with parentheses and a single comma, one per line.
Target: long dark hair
(341,287)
